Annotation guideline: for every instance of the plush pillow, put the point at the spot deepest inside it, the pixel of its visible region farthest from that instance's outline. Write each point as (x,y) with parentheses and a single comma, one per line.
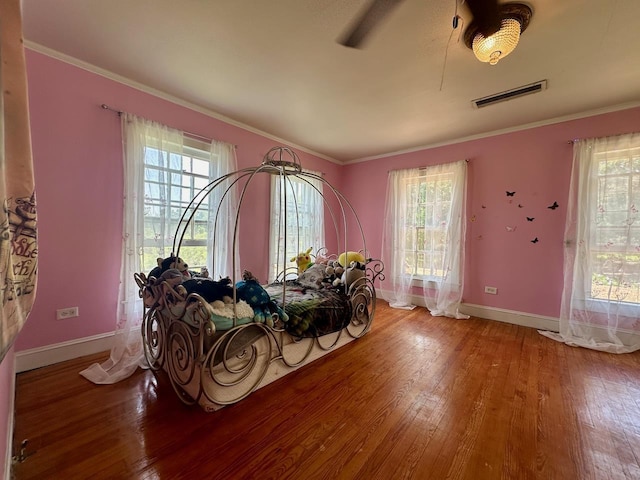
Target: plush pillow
(312,276)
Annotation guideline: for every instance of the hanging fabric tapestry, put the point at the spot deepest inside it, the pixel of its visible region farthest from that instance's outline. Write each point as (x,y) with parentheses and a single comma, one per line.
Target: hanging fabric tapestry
(18,239)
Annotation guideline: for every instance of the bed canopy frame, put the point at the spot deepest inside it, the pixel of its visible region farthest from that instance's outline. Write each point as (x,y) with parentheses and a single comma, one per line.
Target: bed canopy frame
(216,363)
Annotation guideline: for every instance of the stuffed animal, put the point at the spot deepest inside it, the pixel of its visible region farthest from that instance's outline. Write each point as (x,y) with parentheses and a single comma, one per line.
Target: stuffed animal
(353,273)
(170,262)
(153,295)
(332,271)
(303,260)
(210,290)
(250,290)
(346,258)
(174,279)
(203,273)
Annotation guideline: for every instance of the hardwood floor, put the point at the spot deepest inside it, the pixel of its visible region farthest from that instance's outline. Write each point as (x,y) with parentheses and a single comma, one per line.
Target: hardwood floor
(419,397)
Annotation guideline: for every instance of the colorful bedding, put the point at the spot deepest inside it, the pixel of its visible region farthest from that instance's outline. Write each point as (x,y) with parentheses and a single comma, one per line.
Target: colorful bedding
(312,312)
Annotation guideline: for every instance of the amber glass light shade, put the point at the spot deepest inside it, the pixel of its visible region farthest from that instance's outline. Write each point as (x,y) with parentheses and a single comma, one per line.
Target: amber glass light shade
(497,46)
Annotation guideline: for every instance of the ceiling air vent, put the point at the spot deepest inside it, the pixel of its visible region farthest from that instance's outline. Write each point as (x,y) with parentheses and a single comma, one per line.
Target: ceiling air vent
(510,94)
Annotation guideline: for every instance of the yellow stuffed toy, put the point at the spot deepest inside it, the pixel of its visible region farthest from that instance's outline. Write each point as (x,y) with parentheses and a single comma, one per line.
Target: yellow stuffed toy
(303,260)
(346,258)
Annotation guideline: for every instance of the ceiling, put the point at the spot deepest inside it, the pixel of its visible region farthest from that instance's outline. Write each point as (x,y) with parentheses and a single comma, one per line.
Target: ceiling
(275,66)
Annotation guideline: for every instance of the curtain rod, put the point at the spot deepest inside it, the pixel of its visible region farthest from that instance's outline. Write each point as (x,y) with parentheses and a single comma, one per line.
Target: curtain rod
(425,167)
(190,134)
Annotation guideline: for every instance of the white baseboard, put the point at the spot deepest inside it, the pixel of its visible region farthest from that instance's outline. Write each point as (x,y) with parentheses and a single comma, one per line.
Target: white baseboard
(524,319)
(539,322)
(60,352)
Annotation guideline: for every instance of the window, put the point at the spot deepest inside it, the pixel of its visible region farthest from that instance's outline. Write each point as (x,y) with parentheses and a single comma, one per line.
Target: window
(172,178)
(423,236)
(304,219)
(600,304)
(428,201)
(615,203)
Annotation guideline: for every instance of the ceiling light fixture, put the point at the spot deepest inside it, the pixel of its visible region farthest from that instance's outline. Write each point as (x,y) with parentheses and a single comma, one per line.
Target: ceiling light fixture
(514,19)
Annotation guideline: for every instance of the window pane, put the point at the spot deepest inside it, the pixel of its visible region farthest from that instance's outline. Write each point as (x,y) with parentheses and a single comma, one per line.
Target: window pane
(168,190)
(201,167)
(196,255)
(199,183)
(428,209)
(175,161)
(616,238)
(616,165)
(410,263)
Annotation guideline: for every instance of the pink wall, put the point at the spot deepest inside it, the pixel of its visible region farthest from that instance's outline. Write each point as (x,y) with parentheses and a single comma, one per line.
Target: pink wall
(536,164)
(6,393)
(77,149)
(78,168)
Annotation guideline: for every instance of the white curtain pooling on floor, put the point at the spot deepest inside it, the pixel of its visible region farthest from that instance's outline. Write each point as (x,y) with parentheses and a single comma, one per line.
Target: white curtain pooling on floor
(157,143)
(423,237)
(601,298)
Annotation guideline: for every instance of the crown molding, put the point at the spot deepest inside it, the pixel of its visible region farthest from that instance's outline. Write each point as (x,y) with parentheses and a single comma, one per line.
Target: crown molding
(210,113)
(494,133)
(166,96)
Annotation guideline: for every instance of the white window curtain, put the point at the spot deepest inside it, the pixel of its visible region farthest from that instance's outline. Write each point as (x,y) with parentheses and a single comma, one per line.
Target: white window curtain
(142,139)
(304,219)
(601,298)
(221,250)
(423,236)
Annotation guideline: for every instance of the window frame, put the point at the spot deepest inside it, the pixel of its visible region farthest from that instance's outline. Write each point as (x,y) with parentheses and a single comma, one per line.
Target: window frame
(598,175)
(424,178)
(191,150)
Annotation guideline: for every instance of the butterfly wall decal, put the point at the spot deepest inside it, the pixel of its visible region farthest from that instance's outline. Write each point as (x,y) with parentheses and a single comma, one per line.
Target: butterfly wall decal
(520,206)
(510,194)
(535,240)
(510,229)
(530,219)
(554,206)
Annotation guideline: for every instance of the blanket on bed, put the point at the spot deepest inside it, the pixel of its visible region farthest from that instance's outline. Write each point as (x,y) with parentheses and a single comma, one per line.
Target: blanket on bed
(312,312)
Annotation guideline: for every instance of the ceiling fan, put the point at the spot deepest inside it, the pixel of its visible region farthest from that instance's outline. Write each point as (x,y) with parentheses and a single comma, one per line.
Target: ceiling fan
(487,18)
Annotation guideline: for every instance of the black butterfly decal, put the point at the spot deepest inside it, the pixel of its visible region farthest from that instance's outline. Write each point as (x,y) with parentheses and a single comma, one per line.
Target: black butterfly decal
(535,240)
(530,219)
(520,206)
(554,206)
(484,206)
(510,194)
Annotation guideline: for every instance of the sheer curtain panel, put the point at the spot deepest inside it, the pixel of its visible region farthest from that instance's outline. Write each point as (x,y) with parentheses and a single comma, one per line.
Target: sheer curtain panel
(423,237)
(126,353)
(302,199)
(601,297)
(220,251)
(161,176)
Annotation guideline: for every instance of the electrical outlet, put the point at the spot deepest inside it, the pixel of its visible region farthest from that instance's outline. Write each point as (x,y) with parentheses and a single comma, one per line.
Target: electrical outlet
(491,290)
(63,313)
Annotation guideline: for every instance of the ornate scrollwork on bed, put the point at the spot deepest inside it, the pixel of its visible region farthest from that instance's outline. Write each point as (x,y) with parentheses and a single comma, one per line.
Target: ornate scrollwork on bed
(218,353)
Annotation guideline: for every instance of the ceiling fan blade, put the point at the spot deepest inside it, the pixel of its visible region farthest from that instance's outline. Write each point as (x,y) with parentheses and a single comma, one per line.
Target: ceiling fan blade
(369,18)
(486,15)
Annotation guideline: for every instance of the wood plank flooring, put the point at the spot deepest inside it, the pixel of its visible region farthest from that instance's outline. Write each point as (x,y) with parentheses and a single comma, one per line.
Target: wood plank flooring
(417,398)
